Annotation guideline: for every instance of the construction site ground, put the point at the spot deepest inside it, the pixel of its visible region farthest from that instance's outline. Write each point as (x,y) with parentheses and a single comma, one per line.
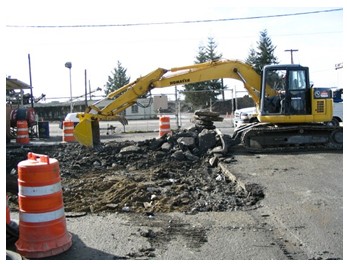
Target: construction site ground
(148,205)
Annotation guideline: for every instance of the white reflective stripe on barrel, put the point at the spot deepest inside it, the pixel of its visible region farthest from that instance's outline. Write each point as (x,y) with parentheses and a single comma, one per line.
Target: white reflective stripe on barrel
(41,217)
(22,136)
(68,135)
(22,129)
(39,190)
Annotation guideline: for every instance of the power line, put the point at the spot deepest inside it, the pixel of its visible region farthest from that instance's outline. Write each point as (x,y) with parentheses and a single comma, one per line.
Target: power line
(176,22)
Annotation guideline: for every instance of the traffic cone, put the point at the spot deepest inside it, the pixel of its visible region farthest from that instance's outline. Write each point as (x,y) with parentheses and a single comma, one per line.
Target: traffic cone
(42,223)
(22,132)
(68,128)
(164,126)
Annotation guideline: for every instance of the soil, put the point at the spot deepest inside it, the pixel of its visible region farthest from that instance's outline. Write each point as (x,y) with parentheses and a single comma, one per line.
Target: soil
(139,177)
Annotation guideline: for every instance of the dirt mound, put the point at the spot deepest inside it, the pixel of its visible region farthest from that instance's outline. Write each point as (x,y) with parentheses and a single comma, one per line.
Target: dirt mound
(172,173)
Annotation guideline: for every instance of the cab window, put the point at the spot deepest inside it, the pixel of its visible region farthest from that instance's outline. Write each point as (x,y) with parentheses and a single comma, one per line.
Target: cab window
(297,80)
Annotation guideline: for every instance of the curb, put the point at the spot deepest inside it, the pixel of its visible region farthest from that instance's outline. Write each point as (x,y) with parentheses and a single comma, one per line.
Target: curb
(240,181)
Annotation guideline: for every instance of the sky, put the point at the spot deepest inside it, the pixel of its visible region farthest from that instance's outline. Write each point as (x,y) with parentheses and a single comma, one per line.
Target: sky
(146,46)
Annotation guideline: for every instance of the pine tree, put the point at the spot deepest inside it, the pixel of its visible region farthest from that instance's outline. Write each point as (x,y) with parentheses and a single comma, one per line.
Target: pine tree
(201,57)
(211,50)
(264,54)
(117,80)
(196,92)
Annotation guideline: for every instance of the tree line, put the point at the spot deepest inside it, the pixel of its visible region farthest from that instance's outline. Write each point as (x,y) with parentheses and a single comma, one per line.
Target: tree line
(208,91)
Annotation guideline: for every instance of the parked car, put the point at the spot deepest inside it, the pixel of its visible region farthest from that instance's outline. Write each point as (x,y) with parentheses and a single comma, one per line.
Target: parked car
(245,115)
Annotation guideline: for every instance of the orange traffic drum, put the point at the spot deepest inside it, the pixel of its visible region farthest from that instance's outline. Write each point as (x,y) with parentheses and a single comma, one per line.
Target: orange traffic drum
(42,223)
(68,129)
(164,126)
(22,132)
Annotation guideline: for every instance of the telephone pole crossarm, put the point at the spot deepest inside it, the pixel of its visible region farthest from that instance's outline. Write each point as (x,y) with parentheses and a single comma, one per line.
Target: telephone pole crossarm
(291,54)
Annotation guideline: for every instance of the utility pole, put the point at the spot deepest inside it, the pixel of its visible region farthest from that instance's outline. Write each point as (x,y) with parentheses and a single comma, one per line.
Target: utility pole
(291,54)
(85,88)
(31,83)
(69,66)
(177,107)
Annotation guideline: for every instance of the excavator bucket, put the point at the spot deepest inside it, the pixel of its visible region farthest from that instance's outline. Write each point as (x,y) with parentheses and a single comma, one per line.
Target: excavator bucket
(87,132)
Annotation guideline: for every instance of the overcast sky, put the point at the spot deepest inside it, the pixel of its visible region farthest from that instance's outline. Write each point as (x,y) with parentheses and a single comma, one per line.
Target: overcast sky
(145,47)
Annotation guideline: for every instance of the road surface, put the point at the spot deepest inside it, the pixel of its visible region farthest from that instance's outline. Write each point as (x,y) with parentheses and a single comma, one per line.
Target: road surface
(301,216)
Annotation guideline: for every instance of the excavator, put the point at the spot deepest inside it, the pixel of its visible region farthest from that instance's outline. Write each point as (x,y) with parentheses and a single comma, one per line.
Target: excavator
(292,114)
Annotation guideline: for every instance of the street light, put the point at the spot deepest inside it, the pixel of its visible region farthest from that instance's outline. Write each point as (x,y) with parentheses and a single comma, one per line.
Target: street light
(69,66)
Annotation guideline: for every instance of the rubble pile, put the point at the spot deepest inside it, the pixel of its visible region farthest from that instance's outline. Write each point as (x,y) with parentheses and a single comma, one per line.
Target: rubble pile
(205,119)
(175,172)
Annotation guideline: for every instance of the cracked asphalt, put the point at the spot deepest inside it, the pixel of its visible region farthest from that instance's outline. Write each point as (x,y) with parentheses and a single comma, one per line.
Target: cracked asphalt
(300,218)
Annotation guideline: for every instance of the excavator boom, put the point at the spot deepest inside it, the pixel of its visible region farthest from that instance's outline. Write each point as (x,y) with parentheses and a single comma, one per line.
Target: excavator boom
(127,95)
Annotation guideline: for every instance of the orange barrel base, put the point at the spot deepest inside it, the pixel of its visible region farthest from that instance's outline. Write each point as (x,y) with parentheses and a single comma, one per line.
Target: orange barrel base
(45,239)
(42,223)
(22,132)
(164,126)
(68,129)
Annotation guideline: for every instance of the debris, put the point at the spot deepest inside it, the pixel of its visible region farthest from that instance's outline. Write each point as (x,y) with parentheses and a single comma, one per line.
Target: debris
(207,139)
(213,161)
(130,149)
(149,233)
(175,172)
(220,178)
(205,119)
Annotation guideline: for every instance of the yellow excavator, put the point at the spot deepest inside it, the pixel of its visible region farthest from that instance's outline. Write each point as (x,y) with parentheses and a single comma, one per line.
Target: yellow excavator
(291,113)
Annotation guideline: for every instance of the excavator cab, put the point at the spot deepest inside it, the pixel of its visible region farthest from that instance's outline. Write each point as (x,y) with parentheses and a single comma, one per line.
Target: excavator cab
(291,90)
(289,97)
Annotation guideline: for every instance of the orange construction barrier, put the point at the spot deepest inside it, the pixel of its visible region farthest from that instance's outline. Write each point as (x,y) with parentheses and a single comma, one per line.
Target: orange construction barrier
(22,132)
(164,126)
(68,128)
(42,223)
(8,216)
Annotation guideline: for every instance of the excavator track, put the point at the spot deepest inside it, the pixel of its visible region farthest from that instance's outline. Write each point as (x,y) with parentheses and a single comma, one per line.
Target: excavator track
(262,137)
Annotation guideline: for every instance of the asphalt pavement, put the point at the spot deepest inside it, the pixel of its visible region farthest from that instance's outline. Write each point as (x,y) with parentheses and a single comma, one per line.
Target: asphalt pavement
(301,217)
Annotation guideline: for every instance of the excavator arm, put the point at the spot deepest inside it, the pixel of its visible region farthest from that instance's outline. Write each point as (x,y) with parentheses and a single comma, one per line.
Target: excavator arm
(127,95)
(211,71)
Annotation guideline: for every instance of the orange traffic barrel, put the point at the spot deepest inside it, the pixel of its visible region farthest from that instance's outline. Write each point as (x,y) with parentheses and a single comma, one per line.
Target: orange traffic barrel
(22,132)
(164,126)
(42,223)
(8,216)
(68,128)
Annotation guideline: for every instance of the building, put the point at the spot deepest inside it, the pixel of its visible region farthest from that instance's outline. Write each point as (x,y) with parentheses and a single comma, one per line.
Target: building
(145,108)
